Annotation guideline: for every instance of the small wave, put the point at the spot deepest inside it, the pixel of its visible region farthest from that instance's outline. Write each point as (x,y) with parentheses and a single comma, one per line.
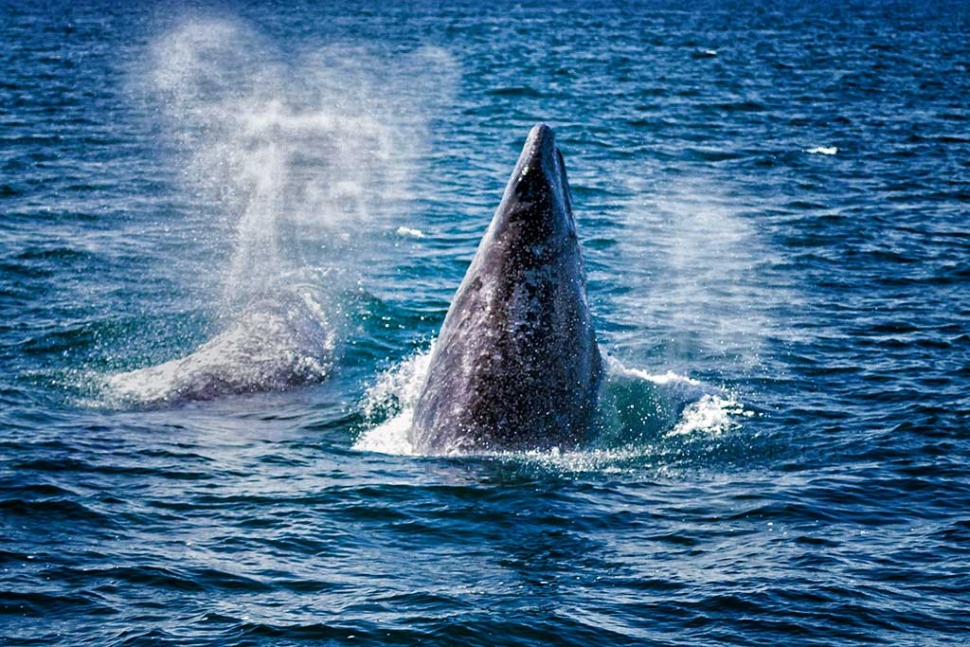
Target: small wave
(47,605)
(740,106)
(54,510)
(635,408)
(822,150)
(515,91)
(704,53)
(711,414)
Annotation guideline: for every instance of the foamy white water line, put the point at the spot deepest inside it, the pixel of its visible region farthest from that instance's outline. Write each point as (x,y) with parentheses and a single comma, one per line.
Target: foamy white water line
(698,408)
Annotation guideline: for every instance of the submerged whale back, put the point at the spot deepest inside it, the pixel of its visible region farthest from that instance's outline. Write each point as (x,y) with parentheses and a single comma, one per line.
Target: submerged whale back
(271,345)
(516,363)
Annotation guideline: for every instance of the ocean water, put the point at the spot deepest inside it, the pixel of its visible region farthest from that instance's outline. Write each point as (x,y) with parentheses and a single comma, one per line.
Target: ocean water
(230,232)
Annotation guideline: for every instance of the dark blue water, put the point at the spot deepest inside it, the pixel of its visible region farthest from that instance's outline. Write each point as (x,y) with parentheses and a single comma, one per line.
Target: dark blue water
(230,233)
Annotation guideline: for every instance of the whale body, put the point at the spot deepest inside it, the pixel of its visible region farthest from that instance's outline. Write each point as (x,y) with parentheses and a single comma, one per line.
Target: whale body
(516,364)
(274,343)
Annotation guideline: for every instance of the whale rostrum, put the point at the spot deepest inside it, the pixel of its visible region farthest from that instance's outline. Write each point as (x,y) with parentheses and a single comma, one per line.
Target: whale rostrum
(516,365)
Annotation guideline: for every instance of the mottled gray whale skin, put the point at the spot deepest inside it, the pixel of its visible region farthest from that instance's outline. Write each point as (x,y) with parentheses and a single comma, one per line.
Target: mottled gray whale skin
(274,343)
(516,365)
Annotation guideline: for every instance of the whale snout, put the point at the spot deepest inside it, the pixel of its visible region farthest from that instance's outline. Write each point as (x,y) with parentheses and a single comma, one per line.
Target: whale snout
(540,162)
(537,195)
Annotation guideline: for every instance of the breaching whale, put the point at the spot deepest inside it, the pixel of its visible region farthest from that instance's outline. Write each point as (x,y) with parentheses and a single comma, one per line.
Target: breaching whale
(516,365)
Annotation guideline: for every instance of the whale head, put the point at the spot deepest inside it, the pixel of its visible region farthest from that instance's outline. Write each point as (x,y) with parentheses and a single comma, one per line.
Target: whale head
(536,213)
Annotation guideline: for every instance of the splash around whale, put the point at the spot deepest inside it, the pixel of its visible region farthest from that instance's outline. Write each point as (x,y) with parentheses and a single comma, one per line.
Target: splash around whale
(516,364)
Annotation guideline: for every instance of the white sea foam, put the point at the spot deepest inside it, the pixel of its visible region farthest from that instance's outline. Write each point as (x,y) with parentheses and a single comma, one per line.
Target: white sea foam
(712,414)
(681,384)
(389,406)
(822,150)
(408,232)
